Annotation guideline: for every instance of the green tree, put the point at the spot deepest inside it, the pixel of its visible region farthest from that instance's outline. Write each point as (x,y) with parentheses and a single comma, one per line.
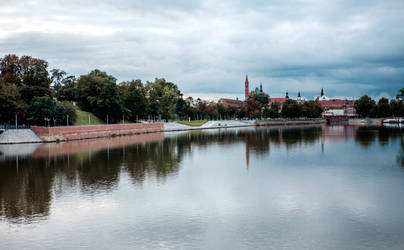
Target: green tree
(135,102)
(261,97)
(252,108)
(364,106)
(10,102)
(291,109)
(311,109)
(163,97)
(383,108)
(69,110)
(35,78)
(42,108)
(97,92)
(397,108)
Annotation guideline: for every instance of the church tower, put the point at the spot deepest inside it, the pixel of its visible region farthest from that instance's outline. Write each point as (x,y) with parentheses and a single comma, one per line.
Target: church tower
(247,87)
(322,92)
(260,87)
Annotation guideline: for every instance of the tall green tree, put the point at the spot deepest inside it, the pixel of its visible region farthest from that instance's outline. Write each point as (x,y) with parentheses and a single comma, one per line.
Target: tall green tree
(291,109)
(163,97)
(97,92)
(134,100)
(42,108)
(10,102)
(35,81)
(311,109)
(383,108)
(397,108)
(364,106)
(261,97)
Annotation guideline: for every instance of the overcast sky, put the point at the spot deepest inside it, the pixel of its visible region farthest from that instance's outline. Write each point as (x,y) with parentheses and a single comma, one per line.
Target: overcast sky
(206,47)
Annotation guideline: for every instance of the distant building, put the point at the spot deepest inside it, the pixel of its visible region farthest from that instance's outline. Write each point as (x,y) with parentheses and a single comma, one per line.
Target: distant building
(299,98)
(336,107)
(279,100)
(322,96)
(230,102)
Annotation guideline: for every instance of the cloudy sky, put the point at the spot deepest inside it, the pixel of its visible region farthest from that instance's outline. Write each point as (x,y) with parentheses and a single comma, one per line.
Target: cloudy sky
(206,47)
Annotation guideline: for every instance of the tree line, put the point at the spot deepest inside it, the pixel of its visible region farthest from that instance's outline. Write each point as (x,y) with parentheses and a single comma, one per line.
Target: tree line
(367,107)
(38,96)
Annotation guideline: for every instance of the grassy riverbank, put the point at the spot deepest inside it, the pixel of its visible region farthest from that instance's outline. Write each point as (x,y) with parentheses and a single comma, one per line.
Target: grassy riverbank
(82,118)
(192,123)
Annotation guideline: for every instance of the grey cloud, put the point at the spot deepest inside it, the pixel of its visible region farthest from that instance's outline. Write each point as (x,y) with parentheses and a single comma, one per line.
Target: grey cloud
(208,46)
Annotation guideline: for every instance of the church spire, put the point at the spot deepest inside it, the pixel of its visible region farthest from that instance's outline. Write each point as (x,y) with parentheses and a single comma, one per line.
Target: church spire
(247,87)
(322,92)
(261,87)
(298,94)
(287,94)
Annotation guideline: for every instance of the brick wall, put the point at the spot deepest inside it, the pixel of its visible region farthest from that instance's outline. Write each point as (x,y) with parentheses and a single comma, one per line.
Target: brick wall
(94,131)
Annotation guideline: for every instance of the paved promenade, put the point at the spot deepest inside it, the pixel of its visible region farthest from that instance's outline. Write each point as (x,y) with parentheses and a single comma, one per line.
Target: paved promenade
(173,126)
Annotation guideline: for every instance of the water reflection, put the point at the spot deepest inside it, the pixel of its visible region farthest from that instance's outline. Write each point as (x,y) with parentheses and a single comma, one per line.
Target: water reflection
(29,176)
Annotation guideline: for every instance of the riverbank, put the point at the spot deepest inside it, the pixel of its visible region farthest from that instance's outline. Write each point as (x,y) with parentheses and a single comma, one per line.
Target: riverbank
(70,133)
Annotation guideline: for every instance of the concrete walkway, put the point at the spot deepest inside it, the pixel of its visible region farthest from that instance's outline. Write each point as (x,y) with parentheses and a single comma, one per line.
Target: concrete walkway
(173,126)
(18,136)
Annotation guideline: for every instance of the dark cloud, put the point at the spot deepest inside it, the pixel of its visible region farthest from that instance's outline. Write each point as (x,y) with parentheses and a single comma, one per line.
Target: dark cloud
(348,48)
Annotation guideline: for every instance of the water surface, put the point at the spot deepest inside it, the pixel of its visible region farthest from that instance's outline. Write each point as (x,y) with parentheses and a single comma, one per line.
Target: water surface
(306,187)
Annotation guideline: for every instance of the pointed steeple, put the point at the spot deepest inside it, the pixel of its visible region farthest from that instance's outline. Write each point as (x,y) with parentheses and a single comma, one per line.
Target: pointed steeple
(298,94)
(247,87)
(260,87)
(322,92)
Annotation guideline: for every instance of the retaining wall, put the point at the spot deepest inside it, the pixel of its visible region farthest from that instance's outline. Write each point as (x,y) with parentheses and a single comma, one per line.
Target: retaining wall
(94,131)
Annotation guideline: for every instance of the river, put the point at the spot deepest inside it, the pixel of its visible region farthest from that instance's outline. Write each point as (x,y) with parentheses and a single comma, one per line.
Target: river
(296,187)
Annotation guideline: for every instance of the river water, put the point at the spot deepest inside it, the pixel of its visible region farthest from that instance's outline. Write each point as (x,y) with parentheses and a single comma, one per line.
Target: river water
(305,187)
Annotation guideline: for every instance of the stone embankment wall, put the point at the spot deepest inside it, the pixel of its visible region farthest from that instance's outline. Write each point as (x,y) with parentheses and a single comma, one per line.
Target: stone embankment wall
(94,131)
(289,122)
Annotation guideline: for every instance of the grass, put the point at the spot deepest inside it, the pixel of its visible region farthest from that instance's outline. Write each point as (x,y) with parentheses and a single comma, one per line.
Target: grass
(192,123)
(82,118)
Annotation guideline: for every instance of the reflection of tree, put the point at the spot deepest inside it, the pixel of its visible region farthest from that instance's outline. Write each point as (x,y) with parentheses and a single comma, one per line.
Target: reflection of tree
(158,159)
(25,191)
(298,135)
(400,156)
(365,136)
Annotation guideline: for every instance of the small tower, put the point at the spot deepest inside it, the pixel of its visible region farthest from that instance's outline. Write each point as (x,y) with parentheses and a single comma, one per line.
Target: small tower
(247,91)
(260,87)
(287,94)
(322,92)
(298,94)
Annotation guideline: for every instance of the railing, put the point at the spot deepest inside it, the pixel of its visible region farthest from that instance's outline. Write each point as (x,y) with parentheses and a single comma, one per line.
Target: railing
(8,126)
